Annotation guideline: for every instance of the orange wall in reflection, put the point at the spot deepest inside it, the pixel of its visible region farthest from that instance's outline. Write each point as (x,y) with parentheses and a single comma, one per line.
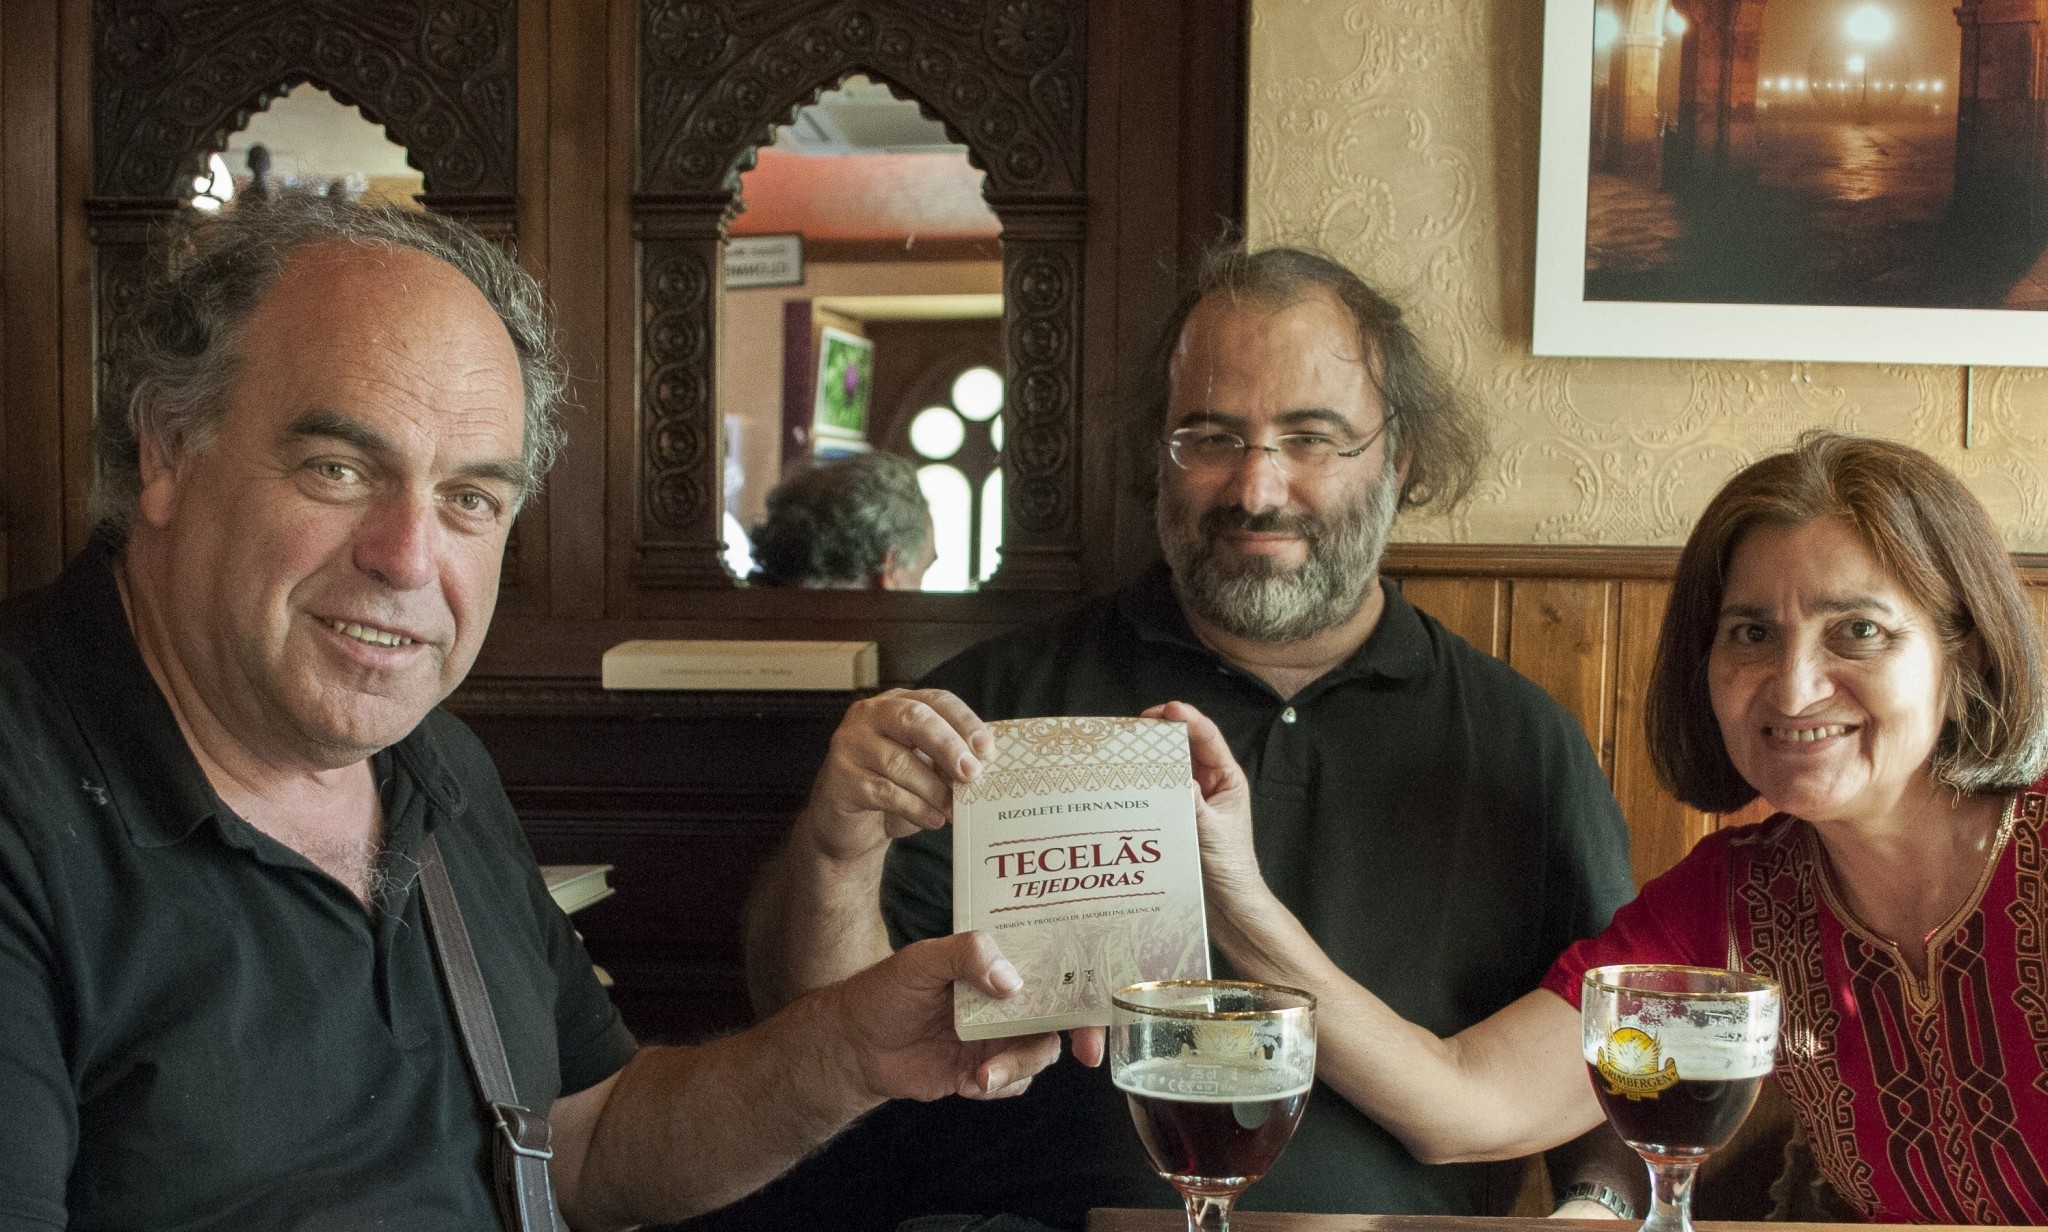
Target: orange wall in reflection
(865,197)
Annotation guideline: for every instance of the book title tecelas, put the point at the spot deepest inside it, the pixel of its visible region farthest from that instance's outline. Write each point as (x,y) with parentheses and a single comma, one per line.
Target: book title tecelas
(1075,848)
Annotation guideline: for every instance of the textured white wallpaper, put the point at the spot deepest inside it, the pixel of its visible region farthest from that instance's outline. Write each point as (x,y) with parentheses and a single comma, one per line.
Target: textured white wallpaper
(1401,136)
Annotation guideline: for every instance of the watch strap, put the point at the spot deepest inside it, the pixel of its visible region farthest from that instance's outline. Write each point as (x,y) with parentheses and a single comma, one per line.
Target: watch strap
(1589,1192)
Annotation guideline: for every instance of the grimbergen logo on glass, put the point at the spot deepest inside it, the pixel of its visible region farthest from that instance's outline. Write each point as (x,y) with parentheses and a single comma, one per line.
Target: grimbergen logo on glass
(1628,1064)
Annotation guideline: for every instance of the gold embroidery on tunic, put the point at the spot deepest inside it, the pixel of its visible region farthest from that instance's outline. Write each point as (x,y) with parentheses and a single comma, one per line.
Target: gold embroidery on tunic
(1780,897)
(2028,912)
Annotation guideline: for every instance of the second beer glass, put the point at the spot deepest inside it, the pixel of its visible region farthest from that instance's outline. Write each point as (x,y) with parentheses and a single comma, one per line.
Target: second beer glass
(1217,1073)
(1676,1055)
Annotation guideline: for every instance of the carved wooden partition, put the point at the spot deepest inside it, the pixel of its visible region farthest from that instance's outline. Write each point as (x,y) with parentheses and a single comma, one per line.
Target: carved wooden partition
(1007,80)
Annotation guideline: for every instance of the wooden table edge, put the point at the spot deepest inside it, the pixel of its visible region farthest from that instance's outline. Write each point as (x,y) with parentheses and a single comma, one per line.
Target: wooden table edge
(1111,1219)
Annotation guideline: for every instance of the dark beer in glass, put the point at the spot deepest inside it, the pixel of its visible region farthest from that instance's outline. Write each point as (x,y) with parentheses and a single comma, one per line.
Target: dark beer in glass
(1676,1055)
(1216,1073)
(1693,1117)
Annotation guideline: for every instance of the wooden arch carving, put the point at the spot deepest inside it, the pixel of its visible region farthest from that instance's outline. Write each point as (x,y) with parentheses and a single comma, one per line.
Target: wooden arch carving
(172,81)
(1006,78)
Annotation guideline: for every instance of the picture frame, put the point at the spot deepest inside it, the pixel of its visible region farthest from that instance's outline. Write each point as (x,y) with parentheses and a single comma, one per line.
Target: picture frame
(1566,323)
(840,404)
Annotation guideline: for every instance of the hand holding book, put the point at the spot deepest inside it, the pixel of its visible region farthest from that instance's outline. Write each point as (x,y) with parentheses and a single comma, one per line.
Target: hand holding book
(898,1014)
(1223,805)
(890,771)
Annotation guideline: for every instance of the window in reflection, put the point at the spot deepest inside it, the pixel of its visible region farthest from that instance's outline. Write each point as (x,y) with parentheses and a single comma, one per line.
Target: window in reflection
(899,253)
(952,504)
(991,514)
(940,433)
(978,392)
(937,433)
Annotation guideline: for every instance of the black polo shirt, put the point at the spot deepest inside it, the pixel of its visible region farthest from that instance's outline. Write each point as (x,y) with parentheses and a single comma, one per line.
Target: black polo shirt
(201,1030)
(1435,820)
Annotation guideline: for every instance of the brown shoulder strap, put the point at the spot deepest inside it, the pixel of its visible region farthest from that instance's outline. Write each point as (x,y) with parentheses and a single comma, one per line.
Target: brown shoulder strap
(520,1149)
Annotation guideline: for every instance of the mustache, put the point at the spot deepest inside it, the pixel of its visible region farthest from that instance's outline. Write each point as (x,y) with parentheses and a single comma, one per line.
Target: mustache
(1218,522)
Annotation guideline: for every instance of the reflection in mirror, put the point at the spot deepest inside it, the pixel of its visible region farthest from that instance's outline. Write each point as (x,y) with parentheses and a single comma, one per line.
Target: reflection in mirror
(957,440)
(308,138)
(863,280)
(858,522)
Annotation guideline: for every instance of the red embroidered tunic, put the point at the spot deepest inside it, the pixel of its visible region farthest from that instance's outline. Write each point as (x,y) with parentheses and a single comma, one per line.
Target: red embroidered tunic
(1925,1101)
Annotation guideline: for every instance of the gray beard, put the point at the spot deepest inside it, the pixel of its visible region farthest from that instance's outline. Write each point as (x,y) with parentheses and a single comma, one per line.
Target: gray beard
(1260,601)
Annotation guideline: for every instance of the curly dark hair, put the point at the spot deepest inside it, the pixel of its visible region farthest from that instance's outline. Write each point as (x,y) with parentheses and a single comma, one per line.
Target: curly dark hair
(1441,432)
(834,524)
(177,352)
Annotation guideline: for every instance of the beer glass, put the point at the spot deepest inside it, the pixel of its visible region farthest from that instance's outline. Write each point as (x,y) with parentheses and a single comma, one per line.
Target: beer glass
(1676,1055)
(1217,1073)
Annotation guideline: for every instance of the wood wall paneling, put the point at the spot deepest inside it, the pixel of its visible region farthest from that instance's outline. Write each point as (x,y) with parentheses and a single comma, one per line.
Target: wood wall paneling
(1473,608)
(1661,830)
(585,187)
(523,580)
(1560,635)
(2038,596)
(77,370)
(31,487)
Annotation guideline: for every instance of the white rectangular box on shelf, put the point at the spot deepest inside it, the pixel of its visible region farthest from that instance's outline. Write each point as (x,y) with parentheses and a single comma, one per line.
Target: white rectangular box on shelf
(817,666)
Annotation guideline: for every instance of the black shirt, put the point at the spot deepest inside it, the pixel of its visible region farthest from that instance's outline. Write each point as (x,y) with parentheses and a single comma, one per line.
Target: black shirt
(201,1030)
(1436,821)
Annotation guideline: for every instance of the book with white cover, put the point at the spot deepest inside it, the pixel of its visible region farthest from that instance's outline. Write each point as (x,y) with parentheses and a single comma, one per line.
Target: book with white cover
(576,886)
(1075,848)
(734,664)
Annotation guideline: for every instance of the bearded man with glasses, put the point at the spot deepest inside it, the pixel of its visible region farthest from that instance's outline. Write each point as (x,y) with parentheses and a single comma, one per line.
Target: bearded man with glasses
(1428,823)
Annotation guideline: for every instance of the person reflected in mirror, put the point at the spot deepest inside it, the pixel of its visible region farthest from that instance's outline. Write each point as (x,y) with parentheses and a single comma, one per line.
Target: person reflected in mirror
(1438,822)
(853,523)
(223,757)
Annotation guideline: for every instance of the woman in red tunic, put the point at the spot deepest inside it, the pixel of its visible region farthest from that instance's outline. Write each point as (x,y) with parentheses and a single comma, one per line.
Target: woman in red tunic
(1846,637)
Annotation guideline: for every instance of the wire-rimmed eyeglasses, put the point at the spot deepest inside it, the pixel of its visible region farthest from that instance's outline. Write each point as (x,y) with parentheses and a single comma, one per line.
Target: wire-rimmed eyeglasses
(1212,450)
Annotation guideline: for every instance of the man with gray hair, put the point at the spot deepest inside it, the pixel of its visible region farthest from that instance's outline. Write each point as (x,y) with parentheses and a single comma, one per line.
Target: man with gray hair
(226,787)
(854,523)
(1429,824)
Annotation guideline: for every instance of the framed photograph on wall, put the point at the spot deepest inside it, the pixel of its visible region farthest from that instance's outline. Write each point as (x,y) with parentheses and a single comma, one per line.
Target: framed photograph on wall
(846,374)
(1840,180)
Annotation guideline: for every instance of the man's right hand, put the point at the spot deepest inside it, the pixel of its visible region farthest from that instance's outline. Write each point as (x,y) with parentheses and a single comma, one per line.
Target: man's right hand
(896,1025)
(891,769)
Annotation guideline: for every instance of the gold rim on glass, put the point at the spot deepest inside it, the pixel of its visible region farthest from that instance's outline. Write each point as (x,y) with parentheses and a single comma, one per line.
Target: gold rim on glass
(1309,998)
(1764,985)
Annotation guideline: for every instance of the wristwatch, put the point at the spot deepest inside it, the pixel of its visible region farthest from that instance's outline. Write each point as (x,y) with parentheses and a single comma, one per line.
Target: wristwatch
(1622,1207)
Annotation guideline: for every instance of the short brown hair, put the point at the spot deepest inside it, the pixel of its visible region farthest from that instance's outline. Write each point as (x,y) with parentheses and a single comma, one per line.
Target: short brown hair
(1441,432)
(1930,535)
